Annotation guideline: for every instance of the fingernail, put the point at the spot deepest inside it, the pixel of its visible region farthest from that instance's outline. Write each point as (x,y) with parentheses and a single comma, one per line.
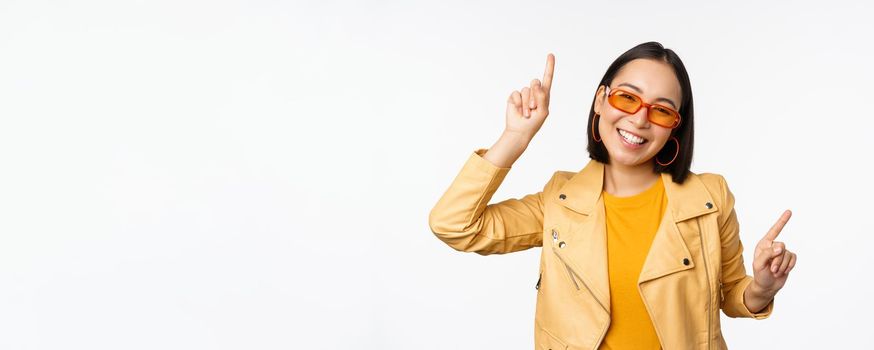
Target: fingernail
(778,250)
(774,269)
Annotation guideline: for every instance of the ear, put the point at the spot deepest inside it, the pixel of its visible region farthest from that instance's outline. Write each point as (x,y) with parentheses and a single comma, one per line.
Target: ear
(599,98)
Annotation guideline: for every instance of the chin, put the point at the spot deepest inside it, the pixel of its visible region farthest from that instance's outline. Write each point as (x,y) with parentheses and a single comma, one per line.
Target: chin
(628,162)
(624,159)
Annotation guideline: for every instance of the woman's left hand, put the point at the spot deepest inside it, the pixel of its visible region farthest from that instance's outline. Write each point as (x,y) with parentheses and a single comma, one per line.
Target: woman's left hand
(772,262)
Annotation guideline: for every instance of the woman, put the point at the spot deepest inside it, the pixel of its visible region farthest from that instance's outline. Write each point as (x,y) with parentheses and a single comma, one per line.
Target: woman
(638,251)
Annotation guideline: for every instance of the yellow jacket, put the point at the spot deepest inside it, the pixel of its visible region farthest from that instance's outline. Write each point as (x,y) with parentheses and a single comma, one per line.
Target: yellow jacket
(694,267)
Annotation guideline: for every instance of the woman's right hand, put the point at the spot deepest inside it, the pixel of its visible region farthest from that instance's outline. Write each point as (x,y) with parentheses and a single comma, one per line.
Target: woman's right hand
(527,109)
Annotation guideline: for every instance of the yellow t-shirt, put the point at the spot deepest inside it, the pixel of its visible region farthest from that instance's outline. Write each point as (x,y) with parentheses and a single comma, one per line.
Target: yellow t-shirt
(631,226)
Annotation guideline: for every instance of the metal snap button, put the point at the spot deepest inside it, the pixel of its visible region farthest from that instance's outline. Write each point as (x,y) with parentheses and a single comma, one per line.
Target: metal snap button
(686,261)
(709,205)
(562,196)
(561,244)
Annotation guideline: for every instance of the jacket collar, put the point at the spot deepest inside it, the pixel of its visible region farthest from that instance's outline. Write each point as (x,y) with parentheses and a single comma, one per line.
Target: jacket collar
(688,200)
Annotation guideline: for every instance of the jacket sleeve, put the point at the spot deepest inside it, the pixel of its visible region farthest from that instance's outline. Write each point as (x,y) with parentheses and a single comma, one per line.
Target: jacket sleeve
(463,219)
(734,279)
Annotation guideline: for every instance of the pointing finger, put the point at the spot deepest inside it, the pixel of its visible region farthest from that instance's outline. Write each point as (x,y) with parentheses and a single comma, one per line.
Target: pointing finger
(778,226)
(547,75)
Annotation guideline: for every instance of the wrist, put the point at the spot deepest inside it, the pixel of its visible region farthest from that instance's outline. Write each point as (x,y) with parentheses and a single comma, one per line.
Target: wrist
(756,299)
(514,143)
(518,139)
(506,150)
(760,292)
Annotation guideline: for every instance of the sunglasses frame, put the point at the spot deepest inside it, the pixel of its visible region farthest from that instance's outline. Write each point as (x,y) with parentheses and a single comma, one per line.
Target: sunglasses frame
(610,92)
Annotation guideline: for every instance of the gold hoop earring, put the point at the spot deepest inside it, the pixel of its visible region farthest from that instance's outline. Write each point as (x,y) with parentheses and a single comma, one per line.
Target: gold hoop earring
(595,126)
(675,153)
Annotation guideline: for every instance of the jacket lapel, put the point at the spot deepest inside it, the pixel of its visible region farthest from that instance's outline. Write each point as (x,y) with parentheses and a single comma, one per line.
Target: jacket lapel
(669,251)
(586,251)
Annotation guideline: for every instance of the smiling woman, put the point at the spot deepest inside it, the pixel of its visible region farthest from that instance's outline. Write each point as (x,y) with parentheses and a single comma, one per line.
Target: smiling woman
(638,251)
(657,75)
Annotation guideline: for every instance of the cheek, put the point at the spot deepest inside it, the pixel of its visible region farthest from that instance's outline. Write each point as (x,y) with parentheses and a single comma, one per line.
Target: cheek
(608,120)
(662,138)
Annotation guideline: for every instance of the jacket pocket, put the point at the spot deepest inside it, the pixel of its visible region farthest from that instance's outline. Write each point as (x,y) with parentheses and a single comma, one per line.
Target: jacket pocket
(547,341)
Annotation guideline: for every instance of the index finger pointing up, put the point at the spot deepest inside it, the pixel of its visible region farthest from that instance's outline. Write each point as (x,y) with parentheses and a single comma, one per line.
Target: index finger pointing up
(778,226)
(547,75)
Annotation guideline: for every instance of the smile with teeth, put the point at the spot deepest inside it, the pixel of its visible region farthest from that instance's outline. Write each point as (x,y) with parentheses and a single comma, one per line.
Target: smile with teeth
(631,138)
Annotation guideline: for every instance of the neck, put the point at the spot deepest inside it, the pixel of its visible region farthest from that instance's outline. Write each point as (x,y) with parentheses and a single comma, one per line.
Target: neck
(623,180)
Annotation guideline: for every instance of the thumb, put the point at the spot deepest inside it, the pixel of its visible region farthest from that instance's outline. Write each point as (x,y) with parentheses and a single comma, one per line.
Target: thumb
(514,102)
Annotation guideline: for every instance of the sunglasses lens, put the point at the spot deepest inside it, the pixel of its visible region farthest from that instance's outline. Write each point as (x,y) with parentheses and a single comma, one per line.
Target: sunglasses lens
(624,102)
(662,116)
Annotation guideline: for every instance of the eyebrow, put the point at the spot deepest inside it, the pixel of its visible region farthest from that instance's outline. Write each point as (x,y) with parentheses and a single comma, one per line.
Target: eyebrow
(639,91)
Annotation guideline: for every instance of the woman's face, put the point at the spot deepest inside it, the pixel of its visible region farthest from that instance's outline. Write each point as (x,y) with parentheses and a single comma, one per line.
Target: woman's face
(655,82)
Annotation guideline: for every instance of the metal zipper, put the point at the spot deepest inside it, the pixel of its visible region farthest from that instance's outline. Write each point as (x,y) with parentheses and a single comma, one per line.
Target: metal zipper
(569,272)
(573,279)
(538,281)
(571,275)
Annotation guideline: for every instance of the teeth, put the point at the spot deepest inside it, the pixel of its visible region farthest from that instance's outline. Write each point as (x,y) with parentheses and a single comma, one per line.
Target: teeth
(631,138)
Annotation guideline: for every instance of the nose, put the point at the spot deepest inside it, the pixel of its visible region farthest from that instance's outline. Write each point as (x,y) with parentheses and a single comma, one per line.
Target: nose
(641,118)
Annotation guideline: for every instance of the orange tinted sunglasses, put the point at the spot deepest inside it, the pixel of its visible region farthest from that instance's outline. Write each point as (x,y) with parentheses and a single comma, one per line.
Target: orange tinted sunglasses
(657,114)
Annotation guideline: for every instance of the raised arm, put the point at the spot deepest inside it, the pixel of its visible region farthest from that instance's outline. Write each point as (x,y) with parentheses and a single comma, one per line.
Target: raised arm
(462,217)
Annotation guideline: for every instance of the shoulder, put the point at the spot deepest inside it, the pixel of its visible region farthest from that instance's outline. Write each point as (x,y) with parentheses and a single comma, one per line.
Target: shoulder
(717,186)
(558,179)
(714,182)
(563,175)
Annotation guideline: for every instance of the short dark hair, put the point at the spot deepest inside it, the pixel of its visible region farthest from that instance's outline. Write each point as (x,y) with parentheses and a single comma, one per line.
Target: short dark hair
(679,169)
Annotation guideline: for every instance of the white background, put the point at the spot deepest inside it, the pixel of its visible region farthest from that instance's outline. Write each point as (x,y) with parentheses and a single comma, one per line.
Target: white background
(258,174)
